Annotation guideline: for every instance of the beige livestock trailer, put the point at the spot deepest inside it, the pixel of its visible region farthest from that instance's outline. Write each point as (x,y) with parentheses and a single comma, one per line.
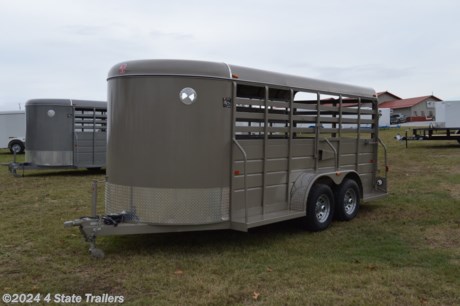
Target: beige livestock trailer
(205,146)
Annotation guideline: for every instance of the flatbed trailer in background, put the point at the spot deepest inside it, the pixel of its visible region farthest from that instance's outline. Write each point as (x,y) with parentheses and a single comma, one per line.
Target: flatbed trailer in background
(446,126)
(433,133)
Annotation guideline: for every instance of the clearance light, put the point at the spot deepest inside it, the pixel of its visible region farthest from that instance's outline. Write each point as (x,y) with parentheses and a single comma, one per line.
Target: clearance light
(237,172)
(235,76)
(122,68)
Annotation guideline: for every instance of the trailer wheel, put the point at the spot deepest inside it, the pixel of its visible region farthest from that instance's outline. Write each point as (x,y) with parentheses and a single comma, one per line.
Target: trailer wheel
(347,200)
(320,207)
(16,146)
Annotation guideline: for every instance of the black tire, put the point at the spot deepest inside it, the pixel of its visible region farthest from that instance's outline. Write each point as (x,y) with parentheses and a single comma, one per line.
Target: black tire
(347,200)
(320,207)
(94,169)
(16,146)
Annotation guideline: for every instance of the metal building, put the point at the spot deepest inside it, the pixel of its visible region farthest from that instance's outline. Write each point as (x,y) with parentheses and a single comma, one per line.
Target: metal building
(64,133)
(202,146)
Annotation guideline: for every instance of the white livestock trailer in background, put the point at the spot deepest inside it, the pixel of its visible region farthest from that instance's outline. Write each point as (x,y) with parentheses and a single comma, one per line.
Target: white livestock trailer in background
(384,117)
(447,114)
(13,130)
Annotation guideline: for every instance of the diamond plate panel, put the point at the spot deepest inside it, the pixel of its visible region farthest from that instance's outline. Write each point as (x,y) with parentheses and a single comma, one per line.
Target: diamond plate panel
(168,205)
(117,198)
(50,158)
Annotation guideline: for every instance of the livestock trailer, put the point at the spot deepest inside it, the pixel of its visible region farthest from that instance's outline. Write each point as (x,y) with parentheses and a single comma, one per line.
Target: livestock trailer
(206,146)
(64,133)
(13,130)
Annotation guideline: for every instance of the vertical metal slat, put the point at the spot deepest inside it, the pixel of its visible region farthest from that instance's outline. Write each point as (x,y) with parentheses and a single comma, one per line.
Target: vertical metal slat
(317,131)
(291,122)
(358,137)
(264,174)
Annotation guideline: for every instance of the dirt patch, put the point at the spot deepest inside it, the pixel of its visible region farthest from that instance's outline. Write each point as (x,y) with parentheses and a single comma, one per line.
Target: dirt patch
(444,237)
(453,190)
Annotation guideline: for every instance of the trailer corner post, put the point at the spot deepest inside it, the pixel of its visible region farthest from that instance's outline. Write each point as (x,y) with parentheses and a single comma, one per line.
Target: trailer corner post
(245,157)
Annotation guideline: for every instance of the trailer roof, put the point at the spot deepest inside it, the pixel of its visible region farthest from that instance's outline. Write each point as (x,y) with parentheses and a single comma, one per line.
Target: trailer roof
(67,102)
(227,71)
(12,112)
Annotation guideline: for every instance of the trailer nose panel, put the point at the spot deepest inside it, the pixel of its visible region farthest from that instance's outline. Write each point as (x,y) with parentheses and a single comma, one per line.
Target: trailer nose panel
(47,134)
(169,140)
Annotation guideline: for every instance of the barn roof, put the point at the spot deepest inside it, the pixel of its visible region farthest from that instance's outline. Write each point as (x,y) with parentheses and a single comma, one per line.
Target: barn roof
(388,93)
(406,103)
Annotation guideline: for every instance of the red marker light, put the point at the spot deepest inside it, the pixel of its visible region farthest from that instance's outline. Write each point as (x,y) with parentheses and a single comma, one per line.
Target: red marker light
(122,68)
(237,172)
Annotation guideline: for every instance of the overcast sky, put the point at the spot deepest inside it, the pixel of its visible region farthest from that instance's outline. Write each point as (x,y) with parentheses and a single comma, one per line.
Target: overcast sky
(64,48)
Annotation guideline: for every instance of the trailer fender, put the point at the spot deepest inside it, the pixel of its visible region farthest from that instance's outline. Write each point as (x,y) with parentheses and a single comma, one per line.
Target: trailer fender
(303,184)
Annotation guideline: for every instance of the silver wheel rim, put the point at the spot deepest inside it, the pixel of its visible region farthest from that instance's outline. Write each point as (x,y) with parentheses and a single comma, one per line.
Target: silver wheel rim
(322,208)
(349,201)
(16,148)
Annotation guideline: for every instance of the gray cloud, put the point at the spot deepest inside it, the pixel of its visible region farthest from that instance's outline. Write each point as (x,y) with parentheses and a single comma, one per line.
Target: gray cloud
(63,48)
(158,34)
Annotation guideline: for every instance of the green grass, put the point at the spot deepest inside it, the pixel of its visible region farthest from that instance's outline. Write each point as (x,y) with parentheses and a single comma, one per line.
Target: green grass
(401,250)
